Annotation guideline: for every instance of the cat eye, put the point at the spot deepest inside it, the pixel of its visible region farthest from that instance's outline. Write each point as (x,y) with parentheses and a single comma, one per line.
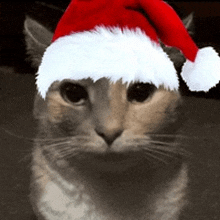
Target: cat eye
(74,93)
(139,92)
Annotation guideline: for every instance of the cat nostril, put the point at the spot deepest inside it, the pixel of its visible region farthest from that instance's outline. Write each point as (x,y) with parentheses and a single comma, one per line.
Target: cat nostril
(109,137)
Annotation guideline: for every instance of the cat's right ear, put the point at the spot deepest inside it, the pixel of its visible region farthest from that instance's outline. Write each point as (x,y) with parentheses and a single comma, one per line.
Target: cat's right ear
(37,38)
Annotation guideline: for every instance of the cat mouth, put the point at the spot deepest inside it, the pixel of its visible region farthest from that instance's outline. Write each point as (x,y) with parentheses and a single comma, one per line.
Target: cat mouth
(113,157)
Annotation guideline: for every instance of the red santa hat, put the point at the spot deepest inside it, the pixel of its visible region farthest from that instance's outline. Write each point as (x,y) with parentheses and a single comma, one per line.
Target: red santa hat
(119,39)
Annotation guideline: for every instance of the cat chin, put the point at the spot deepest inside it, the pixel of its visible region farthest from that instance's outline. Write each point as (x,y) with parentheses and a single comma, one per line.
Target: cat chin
(107,162)
(113,162)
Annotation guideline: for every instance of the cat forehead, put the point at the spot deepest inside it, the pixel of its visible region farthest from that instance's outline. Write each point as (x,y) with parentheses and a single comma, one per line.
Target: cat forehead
(129,56)
(102,82)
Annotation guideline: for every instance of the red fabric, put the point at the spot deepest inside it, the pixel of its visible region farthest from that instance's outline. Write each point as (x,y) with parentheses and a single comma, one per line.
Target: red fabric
(169,27)
(86,15)
(82,15)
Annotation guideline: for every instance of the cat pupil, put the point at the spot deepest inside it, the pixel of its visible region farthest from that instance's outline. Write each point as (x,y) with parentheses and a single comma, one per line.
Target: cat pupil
(74,93)
(139,92)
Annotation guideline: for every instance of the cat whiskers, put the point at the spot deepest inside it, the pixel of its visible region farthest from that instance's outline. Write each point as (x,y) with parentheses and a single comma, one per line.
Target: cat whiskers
(150,155)
(179,136)
(65,148)
(160,151)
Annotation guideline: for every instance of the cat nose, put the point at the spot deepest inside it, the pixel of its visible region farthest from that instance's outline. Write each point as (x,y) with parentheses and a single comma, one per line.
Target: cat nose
(109,135)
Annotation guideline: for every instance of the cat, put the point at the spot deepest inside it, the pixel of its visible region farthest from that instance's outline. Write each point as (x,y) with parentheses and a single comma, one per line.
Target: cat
(106,150)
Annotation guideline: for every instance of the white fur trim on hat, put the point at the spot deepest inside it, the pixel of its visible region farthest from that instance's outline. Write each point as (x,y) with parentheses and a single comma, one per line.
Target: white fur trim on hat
(204,72)
(128,55)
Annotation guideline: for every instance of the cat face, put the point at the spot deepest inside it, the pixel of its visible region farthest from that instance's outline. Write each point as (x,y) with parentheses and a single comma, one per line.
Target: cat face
(103,118)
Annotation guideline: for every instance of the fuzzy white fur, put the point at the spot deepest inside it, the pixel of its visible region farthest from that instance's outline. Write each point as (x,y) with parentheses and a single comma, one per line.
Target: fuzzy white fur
(128,55)
(204,72)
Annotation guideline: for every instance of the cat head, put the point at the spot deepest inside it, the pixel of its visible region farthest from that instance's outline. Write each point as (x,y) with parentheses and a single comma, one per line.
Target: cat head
(99,117)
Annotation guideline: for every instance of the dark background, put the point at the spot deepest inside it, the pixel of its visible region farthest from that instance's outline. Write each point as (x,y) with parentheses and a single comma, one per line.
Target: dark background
(17,126)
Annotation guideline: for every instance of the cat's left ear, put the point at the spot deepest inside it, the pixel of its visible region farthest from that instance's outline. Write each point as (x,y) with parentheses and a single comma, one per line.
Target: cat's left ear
(189,23)
(174,54)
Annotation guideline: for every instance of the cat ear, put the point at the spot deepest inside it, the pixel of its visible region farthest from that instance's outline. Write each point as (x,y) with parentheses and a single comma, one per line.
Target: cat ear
(189,24)
(174,54)
(37,38)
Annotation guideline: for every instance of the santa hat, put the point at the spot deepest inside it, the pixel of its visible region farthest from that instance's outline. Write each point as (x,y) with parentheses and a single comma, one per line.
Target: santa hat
(119,39)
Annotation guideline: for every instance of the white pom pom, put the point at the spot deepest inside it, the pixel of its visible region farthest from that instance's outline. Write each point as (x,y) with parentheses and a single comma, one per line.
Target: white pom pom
(204,72)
